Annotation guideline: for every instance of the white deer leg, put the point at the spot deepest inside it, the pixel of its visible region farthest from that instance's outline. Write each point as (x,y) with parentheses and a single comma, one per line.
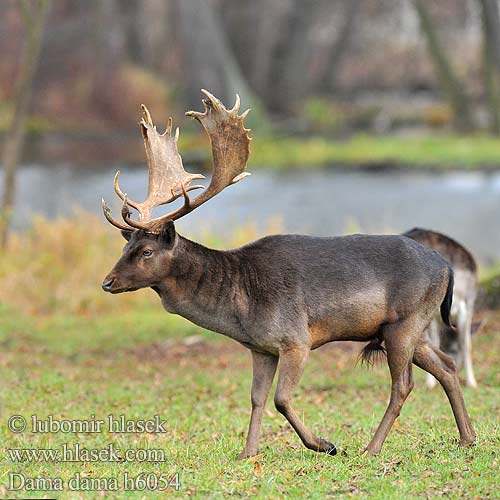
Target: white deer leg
(464,327)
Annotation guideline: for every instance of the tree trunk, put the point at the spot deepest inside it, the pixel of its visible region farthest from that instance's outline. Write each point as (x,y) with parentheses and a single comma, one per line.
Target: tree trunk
(448,80)
(209,59)
(293,77)
(341,45)
(490,17)
(34,14)
(135,33)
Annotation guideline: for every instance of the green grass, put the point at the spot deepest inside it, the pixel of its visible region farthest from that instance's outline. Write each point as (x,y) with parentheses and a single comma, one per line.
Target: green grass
(136,363)
(433,151)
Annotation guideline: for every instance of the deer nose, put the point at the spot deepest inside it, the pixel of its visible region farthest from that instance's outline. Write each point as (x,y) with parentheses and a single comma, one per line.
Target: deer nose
(107,284)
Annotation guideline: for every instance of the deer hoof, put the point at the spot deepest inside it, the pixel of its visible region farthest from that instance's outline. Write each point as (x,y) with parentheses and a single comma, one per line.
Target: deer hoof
(328,448)
(331,450)
(370,452)
(467,443)
(244,455)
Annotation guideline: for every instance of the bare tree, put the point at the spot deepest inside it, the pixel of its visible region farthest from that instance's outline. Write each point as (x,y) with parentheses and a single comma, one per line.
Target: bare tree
(253,36)
(449,81)
(208,56)
(293,78)
(109,42)
(491,58)
(34,14)
(289,48)
(326,79)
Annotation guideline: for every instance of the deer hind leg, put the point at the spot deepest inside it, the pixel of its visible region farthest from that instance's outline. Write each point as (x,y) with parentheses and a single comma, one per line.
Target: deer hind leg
(264,368)
(400,339)
(292,362)
(443,367)
(434,338)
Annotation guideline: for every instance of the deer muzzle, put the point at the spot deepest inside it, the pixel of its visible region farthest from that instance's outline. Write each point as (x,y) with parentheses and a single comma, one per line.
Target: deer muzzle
(107,284)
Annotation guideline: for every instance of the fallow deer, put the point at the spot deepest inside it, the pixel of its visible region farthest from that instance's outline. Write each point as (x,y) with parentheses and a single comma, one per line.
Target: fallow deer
(457,343)
(283,295)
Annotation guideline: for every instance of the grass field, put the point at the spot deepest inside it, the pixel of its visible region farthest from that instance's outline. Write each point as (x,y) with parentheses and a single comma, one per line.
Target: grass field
(71,351)
(138,364)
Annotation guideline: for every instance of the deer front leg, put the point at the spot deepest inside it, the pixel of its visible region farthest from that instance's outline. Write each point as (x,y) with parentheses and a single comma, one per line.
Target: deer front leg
(292,364)
(264,368)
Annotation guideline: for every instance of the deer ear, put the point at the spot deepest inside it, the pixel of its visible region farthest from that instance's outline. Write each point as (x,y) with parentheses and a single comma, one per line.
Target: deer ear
(126,234)
(167,233)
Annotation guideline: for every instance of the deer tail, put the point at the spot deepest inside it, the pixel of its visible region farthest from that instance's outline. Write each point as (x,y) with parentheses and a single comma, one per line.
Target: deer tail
(372,352)
(448,298)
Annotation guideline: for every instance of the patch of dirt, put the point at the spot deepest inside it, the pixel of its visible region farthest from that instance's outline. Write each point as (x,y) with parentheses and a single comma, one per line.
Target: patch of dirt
(190,347)
(196,346)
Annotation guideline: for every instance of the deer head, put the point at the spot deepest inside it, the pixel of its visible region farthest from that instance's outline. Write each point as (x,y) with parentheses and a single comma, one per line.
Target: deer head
(151,241)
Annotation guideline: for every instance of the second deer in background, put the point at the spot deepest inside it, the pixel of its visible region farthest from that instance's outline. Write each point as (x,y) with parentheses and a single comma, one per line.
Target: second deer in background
(457,344)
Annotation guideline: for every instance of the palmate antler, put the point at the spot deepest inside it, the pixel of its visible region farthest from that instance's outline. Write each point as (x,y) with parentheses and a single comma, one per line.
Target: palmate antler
(167,179)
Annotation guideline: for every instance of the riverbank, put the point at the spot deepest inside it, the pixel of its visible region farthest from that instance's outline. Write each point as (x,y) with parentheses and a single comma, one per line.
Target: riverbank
(360,151)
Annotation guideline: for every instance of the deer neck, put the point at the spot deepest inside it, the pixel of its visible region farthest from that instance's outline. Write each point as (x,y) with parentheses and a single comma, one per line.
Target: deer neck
(204,287)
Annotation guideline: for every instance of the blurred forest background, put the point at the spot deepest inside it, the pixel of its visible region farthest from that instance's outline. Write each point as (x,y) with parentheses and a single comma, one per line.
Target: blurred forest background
(305,66)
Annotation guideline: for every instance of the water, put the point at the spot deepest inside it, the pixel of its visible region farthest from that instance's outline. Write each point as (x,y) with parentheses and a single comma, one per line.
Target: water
(463,205)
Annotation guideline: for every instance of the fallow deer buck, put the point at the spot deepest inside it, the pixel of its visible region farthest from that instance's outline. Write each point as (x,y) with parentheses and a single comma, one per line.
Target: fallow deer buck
(283,295)
(455,342)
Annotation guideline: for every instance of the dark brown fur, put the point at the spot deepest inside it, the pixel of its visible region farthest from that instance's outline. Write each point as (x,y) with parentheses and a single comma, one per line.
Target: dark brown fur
(283,295)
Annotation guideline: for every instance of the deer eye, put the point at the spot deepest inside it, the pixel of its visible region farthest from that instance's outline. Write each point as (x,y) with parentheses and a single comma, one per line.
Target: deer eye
(147,253)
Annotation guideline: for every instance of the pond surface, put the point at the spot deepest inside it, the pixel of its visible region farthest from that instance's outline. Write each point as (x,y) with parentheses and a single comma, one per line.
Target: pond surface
(464,205)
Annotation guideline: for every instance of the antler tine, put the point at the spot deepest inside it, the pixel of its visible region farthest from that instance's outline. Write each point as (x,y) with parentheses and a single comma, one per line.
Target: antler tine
(236,106)
(212,101)
(109,216)
(242,117)
(126,215)
(120,193)
(146,115)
